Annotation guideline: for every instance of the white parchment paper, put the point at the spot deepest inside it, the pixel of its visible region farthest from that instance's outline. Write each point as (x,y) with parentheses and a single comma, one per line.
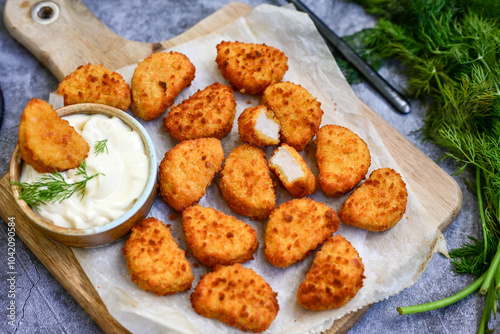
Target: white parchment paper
(393,259)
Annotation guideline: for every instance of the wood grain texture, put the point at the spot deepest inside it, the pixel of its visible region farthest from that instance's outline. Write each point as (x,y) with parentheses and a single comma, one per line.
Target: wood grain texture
(436,190)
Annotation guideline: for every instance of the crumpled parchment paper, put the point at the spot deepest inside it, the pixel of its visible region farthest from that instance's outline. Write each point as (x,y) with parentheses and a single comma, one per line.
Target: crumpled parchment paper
(393,259)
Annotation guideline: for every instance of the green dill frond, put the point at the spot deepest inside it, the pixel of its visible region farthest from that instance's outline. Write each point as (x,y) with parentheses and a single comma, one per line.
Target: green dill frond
(100,146)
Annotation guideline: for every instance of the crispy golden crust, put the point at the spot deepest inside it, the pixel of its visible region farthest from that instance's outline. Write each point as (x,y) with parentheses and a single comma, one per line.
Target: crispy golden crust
(297,111)
(157,81)
(95,84)
(236,296)
(217,238)
(251,67)
(334,278)
(207,113)
(155,261)
(343,159)
(188,169)
(248,127)
(285,163)
(296,228)
(47,142)
(246,182)
(378,204)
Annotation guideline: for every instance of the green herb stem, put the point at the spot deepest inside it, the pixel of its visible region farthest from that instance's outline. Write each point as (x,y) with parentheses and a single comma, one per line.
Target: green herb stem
(481,210)
(491,273)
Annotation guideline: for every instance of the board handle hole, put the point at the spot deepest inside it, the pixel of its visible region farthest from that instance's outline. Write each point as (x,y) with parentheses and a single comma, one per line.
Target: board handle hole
(45,12)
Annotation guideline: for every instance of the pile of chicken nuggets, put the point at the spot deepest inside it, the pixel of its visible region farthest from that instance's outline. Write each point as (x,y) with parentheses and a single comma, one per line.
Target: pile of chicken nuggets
(289,119)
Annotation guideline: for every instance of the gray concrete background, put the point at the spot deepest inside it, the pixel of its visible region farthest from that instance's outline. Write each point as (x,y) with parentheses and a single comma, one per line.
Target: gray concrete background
(43,306)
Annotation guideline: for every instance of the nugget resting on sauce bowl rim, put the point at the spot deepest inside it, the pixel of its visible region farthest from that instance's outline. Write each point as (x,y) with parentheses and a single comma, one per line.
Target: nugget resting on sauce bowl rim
(343,159)
(250,67)
(246,183)
(292,171)
(296,228)
(187,170)
(258,126)
(377,204)
(297,111)
(155,261)
(47,142)
(236,296)
(156,82)
(207,113)
(216,238)
(334,278)
(95,84)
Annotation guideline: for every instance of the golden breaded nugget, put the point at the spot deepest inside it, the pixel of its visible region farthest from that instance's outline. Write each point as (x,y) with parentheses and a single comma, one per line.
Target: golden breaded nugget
(236,296)
(258,126)
(296,228)
(343,159)
(378,204)
(334,278)
(246,182)
(157,81)
(207,113)
(217,238)
(155,261)
(187,170)
(95,84)
(297,111)
(293,172)
(251,67)
(47,142)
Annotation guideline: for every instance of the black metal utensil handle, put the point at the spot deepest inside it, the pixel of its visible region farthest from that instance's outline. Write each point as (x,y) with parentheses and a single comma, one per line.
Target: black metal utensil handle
(391,94)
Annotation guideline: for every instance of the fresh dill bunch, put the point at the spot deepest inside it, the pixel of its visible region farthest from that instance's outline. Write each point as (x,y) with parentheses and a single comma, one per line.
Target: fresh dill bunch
(100,146)
(53,188)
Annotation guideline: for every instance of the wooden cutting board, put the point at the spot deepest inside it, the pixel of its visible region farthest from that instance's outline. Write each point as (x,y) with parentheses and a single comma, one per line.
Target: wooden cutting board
(86,39)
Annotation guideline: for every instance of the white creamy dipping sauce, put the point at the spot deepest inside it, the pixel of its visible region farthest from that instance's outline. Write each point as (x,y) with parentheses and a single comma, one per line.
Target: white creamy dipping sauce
(123,168)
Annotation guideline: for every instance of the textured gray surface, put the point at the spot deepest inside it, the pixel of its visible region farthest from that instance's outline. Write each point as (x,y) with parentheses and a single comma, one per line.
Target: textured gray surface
(43,306)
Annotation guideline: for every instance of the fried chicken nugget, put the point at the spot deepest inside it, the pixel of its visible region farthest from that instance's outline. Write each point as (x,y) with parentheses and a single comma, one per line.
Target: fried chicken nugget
(157,81)
(47,142)
(246,182)
(207,113)
(258,126)
(155,261)
(378,204)
(217,238)
(296,228)
(251,67)
(293,172)
(335,277)
(187,170)
(95,84)
(236,296)
(297,111)
(343,159)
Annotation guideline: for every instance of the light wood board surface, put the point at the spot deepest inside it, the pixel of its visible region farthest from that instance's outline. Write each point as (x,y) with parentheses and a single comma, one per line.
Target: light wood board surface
(86,39)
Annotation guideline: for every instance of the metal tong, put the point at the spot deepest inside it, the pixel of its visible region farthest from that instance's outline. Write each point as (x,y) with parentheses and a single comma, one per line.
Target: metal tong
(391,94)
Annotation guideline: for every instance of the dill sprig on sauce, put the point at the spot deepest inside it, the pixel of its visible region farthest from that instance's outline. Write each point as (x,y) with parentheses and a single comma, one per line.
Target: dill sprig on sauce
(450,51)
(100,146)
(53,188)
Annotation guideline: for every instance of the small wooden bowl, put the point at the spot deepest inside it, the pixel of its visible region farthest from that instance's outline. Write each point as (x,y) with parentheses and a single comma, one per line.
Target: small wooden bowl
(114,230)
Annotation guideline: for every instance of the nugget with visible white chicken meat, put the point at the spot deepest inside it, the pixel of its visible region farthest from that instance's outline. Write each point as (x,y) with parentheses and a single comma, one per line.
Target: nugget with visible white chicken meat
(292,171)
(343,159)
(258,126)
(335,277)
(246,182)
(207,113)
(251,67)
(236,296)
(377,204)
(156,82)
(217,238)
(296,228)
(95,84)
(47,142)
(155,261)
(187,170)
(297,111)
